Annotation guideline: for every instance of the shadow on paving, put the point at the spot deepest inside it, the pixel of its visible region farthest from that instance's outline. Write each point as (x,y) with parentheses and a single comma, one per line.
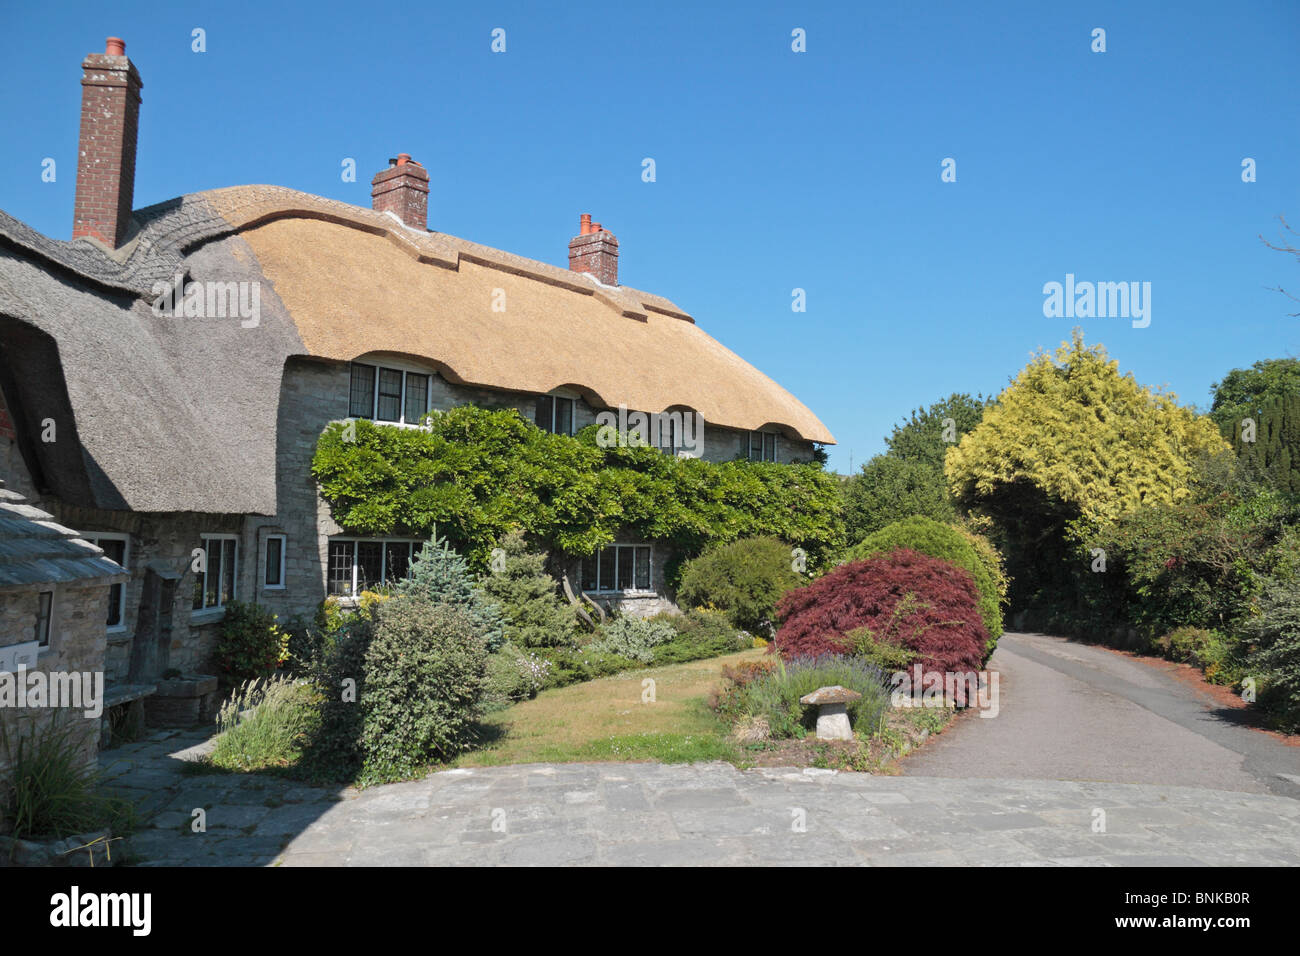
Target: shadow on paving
(247,819)
(643,814)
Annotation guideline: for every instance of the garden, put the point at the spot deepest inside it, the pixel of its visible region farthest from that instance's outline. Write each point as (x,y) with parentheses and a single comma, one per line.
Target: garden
(1077,501)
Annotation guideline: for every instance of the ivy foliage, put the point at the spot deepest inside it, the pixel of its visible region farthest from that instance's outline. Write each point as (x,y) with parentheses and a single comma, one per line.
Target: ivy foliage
(475,474)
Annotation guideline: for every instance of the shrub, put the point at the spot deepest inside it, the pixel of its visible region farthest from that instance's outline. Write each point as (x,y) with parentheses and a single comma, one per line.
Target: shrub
(250,643)
(881,652)
(744,579)
(1190,564)
(425,671)
(441,576)
(699,634)
(773,695)
(632,638)
(568,665)
(949,544)
(1187,645)
(906,598)
(513,674)
(532,610)
(333,752)
(264,724)
(1275,663)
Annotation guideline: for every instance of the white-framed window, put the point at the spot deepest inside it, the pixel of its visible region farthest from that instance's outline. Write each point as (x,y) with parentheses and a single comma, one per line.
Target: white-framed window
(762,446)
(618,567)
(361,564)
(389,393)
(555,414)
(44,618)
(116,547)
(273,562)
(216,585)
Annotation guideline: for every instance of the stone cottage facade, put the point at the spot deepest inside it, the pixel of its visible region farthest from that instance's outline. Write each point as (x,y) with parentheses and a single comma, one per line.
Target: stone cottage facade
(165,375)
(55,590)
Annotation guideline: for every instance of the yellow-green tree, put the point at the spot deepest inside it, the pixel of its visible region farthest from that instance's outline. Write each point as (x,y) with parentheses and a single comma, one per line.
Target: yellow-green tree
(1084,435)
(1072,443)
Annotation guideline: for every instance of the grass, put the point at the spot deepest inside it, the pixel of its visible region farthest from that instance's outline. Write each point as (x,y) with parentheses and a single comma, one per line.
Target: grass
(605,719)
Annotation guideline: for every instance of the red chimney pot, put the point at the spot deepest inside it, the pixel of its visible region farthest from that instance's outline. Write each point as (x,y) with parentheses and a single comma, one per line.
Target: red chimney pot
(594,251)
(115,46)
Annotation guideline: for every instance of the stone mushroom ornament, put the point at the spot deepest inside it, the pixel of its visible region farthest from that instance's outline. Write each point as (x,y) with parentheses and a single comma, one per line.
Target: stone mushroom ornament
(832,711)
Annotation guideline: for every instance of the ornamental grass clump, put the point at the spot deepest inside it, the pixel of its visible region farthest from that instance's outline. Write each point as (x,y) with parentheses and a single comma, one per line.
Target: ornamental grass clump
(773,694)
(265,723)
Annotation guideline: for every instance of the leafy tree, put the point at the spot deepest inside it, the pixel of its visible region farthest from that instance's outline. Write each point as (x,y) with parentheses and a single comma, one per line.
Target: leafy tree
(928,433)
(1243,393)
(533,612)
(1073,442)
(889,489)
(1084,435)
(1275,449)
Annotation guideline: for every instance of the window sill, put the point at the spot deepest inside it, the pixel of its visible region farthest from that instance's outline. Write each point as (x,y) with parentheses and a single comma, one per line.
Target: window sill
(208,615)
(630,593)
(273,587)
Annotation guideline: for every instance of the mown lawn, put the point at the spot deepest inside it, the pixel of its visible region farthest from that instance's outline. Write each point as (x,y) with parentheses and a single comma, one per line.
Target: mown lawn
(606,720)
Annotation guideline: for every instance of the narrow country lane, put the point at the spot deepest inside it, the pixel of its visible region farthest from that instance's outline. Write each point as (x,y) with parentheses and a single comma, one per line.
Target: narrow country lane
(1070,711)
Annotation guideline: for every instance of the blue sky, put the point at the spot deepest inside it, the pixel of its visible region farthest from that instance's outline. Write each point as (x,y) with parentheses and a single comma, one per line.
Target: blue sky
(775,170)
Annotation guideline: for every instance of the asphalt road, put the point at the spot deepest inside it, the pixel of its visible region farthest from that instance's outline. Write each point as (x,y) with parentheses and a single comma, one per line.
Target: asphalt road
(1069,711)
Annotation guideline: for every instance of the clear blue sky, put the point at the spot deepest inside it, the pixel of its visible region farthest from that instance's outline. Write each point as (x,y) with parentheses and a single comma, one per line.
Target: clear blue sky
(775,170)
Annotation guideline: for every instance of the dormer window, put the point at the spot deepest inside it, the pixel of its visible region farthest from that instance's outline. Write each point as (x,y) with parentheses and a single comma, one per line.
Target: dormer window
(555,414)
(384,394)
(762,446)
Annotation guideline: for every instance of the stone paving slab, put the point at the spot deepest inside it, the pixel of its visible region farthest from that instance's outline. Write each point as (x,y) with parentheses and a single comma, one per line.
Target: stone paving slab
(686,815)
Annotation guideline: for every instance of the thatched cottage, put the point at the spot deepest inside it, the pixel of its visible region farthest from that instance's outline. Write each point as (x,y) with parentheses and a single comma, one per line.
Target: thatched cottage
(167,372)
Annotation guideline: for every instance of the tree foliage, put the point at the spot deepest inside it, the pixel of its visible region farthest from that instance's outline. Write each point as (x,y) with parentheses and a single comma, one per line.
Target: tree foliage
(927,435)
(1085,436)
(904,598)
(888,489)
(1244,392)
(528,597)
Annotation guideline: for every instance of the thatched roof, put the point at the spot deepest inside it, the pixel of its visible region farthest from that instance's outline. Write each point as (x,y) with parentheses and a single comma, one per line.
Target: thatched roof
(179,415)
(35,551)
(357,281)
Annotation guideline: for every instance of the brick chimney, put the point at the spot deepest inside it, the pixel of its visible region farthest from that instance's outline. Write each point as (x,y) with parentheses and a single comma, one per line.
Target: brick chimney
(594,250)
(403,189)
(110,114)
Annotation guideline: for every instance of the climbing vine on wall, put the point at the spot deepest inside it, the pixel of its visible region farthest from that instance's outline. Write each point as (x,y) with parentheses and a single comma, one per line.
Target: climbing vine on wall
(476,474)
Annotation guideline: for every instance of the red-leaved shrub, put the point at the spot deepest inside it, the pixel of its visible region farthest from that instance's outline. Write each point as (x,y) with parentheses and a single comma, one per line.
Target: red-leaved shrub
(903,598)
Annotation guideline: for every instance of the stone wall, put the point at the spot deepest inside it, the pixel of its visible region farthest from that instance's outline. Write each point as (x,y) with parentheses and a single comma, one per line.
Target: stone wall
(77,646)
(169,540)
